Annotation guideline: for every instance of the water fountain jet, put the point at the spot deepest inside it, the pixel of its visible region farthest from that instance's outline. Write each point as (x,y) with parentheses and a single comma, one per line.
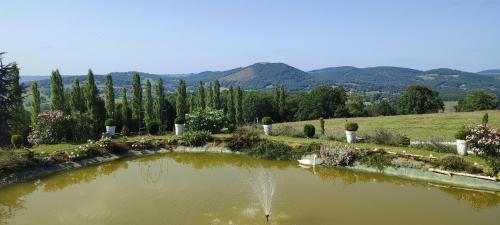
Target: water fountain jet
(264,186)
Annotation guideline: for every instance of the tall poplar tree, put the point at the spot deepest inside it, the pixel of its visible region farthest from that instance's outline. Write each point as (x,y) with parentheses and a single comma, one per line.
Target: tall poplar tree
(239,105)
(35,102)
(209,96)
(181,103)
(77,103)
(110,97)
(136,101)
(92,96)
(125,114)
(282,103)
(216,96)
(148,104)
(159,104)
(201,95)
(56,92)
(231,112)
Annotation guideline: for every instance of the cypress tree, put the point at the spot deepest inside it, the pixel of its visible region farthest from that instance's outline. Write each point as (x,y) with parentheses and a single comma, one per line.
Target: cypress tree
(181,104)
(239,105)
(230,107)
(136,101)
(18,124)
(192,102)
(77,103)
(110,97)
(56,92)
(148,104)
(216,95)
(125,115)
(209,96)
(159,104)
(201,95)
(35,101)
(282,103)
(92,96)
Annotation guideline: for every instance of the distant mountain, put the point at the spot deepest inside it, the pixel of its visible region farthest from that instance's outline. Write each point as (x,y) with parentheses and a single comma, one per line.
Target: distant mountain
(451,84)
(33,78)
(493,72)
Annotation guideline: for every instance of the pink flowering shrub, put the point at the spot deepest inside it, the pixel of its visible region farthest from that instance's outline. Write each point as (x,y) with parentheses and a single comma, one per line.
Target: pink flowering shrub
(50,128)
(484,140)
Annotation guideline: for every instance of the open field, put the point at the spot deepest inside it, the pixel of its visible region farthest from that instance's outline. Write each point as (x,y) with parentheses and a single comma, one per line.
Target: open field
(418,127)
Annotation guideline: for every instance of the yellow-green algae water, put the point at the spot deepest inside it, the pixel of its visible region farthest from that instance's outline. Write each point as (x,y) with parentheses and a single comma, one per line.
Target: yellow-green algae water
(217,189)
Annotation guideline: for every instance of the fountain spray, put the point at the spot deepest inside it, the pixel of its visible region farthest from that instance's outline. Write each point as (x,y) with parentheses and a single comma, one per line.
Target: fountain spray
(264,186)
(267,217)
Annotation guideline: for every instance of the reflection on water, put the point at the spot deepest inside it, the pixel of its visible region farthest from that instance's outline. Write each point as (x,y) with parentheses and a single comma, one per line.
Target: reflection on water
(213,189)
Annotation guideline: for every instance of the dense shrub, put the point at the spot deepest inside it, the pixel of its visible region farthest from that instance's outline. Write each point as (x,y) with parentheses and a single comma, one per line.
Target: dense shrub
(49,128)
(267,120)
(351,126)
(243,138)
(407,163)
(462,133)
(286,130)
(125,131)
(484,140)
(16,140)
(110,122)
(231,128)
(385,137)
(212,120)
(379,160)
(273,150)
(338,155)
(196,138)
(457,163)
(494,163)
(83,128)
(322,125)
(180,120)
(309,130)
(153,127)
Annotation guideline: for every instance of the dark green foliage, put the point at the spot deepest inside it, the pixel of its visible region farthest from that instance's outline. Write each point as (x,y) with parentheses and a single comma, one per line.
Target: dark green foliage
(322,125)
(15,161)
(77,102)
(378,160)
(323,101)
(273,150)
(436,146)
(20,120)
(56,92)
(462,133)
(494,163)
(267,120)
(136,104)
(231,128)
(485,118)
(257,105)
(148,104)
(356,105)
(153,127)
(282,103)
(159,107)
(402,140)
(382,108)
(180,120)
(212,120)
(239,105)
(209,97)
(351,126)
(125,131)
(201,96)
(477,100)
(457,163)
(309,130)
(231,109)
(110,122)
(242,139)
(126,115)
(196,138)
(35,101)
(109,94)
(181,103)
(419,99)
(217,100)
(17,141)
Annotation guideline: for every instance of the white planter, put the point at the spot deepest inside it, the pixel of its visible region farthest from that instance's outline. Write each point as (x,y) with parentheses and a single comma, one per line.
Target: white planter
(110,130)
(351,136)
(267,129)
(179,128)
(461,147)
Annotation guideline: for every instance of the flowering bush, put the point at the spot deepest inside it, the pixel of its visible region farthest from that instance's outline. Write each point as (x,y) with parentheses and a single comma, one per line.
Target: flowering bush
(484,140)
(50,128)
(211,120)
(338,155)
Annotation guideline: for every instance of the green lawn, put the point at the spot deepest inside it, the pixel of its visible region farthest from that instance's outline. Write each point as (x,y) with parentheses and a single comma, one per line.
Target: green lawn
(54,148)
(417,127)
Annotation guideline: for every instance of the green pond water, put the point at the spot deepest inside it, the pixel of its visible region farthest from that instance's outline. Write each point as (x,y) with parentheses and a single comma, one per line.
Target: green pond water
(221,189)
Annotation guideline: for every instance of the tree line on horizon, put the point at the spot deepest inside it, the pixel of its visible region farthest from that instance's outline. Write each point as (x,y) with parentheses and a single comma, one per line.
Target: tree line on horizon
(89,109)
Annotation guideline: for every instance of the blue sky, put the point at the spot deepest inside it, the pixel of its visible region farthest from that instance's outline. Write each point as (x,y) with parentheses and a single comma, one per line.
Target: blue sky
(193,36)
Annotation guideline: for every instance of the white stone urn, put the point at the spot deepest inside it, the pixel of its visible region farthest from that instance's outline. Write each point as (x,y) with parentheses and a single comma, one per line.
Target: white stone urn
(179,128)
(461,147)
(267,129)
(110,130)
(350,135)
